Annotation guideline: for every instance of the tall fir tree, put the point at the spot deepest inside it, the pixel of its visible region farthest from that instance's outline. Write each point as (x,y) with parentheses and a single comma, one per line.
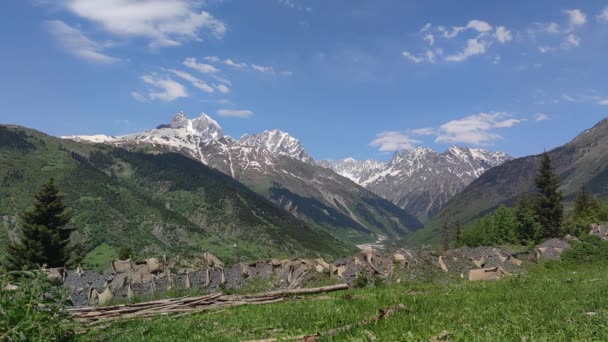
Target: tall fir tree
(549,201)
(528,228)
(458,237)
(44,238)
(445,237)
(584,203)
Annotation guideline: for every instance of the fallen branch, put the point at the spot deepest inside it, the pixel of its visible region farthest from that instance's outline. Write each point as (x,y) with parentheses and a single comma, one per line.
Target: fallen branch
(187,305)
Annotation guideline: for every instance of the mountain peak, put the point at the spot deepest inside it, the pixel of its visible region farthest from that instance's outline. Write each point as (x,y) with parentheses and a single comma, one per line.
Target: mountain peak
(278,142)
(179,120)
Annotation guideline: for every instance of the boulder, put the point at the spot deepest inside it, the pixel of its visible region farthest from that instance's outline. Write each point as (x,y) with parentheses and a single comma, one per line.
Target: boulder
(490,273)
(122,266)
(599,230)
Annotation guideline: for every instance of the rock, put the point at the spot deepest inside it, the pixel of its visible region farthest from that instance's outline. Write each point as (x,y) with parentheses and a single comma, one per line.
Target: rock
(442,264)
(599,230)
(551,249)
(490,273)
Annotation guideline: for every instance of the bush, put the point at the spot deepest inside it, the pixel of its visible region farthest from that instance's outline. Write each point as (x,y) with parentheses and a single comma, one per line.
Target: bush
(590,249)
(35,311)
(125,253)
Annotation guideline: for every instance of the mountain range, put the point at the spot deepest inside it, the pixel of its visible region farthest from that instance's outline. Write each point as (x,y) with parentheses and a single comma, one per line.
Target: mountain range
(275,165)
(153,203)
(186,186)
(420,181)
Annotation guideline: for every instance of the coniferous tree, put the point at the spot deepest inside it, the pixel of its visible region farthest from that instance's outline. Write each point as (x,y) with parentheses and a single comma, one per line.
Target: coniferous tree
(504,225)
(445,237)
(44,238)
(584,204)
(548,205)
(458,234)
(528,228)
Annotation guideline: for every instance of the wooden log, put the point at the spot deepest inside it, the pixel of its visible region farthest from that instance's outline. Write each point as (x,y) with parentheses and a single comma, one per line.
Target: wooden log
(183,305)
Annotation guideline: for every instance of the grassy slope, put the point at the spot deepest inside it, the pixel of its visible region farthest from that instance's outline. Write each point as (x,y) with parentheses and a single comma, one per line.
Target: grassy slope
(548,304)
(120,198)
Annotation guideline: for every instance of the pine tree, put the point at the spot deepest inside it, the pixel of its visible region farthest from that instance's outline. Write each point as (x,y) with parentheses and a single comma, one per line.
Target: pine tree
(505,225)
(44,238)
(528,228)
(445,237)
(549,207)
(458,234)
(584,204)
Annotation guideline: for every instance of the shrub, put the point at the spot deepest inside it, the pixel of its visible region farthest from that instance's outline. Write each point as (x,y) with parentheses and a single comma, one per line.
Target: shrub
(125,252)
(361,281)
(590,249)
(35,311)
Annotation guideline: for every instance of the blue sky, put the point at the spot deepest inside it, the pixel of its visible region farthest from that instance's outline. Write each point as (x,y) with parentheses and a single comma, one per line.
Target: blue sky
(348,78)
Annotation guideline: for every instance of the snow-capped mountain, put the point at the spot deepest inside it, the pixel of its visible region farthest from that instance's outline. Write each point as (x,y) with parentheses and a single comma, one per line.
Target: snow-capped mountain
(274,164)
(356,170)
(277,142)
(421,180)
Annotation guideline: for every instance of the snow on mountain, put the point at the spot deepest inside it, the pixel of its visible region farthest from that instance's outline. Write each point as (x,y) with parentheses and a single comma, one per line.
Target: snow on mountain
(355,170)
(279,142)
(98,138)
(275,164)
(420,180)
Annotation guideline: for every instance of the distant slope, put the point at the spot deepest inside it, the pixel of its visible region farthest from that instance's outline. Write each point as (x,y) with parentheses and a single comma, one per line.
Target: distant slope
(584,160)
(155,203)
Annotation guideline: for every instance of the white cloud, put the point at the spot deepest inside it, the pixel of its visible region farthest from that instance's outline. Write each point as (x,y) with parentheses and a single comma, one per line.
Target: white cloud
(263,69)
(503,35)
(287,73)
(200,67)
(388,141)
(412,58)
(196,82)
(551,28)
(475,129)
(477,25)
(422,131)
(430,56)
(603,102)
(139,97)
(77,44)
(474,47)
(570,41)
(169,89)
(293,4)
(163,23)
(425,28)
(539,117)
(576,18)
(546,49)
(603,17)
(231,63)
(212,59)
(242,113)
(222,88)
(429,38)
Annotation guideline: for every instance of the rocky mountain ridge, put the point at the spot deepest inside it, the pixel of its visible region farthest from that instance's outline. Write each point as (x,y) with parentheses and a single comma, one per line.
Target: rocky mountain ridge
(275,165)
(421,180)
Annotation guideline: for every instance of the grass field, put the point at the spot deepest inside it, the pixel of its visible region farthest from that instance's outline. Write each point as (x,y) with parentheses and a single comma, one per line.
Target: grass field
(553,302)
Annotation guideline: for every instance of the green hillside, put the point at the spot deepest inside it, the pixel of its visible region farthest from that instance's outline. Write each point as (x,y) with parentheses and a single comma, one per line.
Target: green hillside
(155,204)
(583,161)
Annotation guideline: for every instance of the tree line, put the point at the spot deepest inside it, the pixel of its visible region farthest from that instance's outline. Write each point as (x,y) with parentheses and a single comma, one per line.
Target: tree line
(533,218)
